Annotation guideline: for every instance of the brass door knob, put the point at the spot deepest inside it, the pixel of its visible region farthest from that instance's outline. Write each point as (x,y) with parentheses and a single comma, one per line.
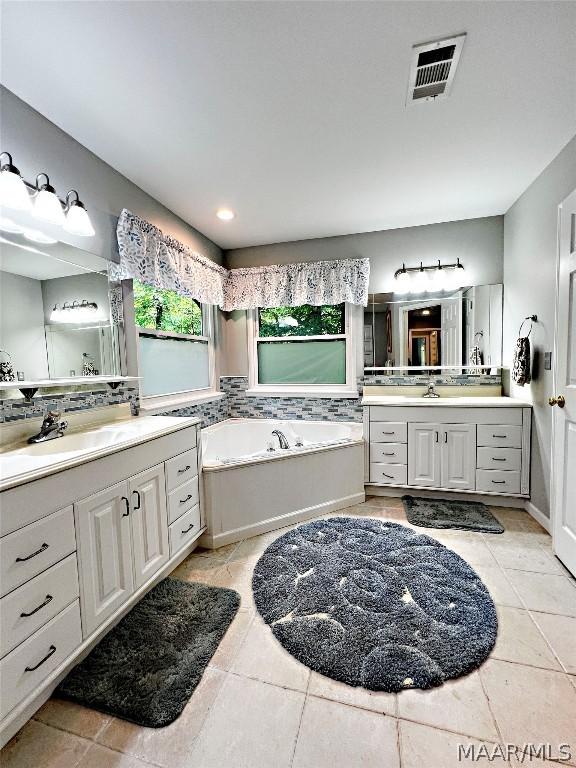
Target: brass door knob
(559,401)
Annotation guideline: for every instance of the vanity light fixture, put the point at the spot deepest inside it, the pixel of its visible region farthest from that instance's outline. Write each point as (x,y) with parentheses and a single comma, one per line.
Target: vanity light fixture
(47,206)
(76,312)
(43,202)
(13,192)
(225,214)
(423,279)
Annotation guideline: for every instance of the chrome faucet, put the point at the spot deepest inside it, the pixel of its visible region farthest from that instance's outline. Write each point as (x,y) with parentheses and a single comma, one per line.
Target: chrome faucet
(52,427)
(282,438)
(431,391)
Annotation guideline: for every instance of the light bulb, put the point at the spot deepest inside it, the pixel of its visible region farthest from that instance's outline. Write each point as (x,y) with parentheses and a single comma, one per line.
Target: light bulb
(47,207)
(225,214)
(78,222)
(13,192)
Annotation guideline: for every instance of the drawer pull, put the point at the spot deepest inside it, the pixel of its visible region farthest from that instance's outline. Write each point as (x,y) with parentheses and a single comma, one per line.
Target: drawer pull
(183,501)
(51,652)
(139,501)
(390,477)
(43,548)
(188,529)
(501,437)
(390,454)
(499,482)
(496,459)
(48,599)
(185,469)
(388,433)
(125,500)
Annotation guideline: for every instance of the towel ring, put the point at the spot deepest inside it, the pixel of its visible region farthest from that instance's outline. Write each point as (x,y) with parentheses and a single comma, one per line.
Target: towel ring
(533,319)
(478,333)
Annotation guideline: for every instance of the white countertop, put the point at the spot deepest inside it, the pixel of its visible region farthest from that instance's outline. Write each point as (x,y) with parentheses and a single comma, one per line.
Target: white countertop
(22,465)
(446,402)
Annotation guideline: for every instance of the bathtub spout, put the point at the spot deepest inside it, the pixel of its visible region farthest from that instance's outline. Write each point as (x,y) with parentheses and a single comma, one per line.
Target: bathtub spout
(281,438)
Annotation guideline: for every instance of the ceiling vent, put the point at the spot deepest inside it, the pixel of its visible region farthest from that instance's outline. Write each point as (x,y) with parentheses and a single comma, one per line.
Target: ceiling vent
(433,68)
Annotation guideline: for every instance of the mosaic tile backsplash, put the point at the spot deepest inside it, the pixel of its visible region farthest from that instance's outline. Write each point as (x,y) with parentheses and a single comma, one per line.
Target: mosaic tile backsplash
(209,413)
(82,400)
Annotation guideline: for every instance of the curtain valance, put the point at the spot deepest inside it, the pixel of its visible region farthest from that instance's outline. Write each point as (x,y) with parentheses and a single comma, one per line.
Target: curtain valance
(148,255)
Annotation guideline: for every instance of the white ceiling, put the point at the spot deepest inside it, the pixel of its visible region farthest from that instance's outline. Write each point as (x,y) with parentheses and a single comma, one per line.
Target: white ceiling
(292,113)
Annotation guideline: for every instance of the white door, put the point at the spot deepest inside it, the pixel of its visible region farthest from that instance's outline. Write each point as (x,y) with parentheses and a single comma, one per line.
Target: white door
(459,456)
(105,553)
(149,523)
(451,332)
(424,454)
(564,399)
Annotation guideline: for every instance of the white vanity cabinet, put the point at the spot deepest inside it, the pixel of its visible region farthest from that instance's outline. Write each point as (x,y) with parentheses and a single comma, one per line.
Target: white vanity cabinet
(447,446)
(79,547)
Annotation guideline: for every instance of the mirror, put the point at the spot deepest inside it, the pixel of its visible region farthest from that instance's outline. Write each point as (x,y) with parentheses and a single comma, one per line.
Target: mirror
(462,329)
(55,311)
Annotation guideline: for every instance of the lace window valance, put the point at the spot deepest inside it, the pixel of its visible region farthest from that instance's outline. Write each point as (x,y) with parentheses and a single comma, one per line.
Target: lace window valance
(148,255)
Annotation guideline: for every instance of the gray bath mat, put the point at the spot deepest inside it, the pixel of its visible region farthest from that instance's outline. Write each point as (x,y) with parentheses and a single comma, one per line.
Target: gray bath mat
(148,666)
(444,513)
(375,604)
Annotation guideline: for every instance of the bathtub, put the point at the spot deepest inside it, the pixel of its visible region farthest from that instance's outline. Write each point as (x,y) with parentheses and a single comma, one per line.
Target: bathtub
(249,489)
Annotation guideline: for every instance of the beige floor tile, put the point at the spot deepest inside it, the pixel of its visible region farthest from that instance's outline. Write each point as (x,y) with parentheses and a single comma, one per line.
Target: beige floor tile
(333,734)
(425,747)
(326,688)
(169,746)
(222,553)
(520,640)
(101,757)
(41,746)
(459,705)
(232,640)
(237,576)
(501,591)
(72,718)
(544,592)
(531,706)
(560,631)
(471,549)
(522,557)
(202,569)
(262,657)
(250,550)
(251,725)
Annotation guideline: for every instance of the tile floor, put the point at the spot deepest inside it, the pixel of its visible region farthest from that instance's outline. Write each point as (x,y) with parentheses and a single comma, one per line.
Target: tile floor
(257,707)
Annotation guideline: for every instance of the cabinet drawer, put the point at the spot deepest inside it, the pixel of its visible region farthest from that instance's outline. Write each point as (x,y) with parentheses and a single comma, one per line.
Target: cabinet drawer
(388,474)
(499,437)
(33,604)
(388,432)
(389,453)
(497,481)
(182,499)
(181,468)
(32,549)
(22,670)
(184,529)
(498,458)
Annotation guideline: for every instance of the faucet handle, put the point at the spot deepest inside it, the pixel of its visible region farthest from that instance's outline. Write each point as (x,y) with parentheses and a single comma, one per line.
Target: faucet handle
(54,415)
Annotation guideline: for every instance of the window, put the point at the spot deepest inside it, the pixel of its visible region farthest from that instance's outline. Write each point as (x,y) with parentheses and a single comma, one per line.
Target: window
(300,350)
(174,350)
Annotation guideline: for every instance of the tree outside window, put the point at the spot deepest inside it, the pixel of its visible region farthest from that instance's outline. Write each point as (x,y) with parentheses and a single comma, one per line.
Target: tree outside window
(165,310)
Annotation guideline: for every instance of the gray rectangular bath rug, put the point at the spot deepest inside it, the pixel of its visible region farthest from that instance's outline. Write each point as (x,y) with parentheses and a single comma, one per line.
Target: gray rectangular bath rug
(445,513)
(147,667)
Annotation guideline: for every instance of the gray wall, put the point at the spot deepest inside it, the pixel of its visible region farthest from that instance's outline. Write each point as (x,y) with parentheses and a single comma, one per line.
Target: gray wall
(477,242)
(38,145)
(530,252)
(22,324)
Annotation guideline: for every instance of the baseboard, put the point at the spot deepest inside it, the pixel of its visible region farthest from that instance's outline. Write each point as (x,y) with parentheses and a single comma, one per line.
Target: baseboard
(213,541)
(539,516)
(496,500)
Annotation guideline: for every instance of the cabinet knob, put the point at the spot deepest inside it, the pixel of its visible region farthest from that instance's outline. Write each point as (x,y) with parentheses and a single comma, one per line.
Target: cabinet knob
(560,401)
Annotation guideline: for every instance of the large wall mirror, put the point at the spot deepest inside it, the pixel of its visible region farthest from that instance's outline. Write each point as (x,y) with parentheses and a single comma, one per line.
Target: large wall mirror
(462,329)
(55,312)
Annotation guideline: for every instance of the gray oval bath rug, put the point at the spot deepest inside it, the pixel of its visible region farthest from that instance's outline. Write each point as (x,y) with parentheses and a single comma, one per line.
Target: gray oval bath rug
(374,604)
(147,667)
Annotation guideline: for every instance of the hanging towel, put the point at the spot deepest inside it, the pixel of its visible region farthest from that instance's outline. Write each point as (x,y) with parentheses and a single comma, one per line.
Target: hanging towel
(521,367)
(475,355)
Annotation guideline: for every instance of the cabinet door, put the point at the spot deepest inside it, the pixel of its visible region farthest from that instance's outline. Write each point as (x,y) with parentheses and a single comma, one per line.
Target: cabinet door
(104,554)
(149,523)
(424,454)
(459,456)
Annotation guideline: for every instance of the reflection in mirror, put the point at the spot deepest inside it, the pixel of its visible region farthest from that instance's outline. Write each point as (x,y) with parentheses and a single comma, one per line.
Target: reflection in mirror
(459,330)
(55,318)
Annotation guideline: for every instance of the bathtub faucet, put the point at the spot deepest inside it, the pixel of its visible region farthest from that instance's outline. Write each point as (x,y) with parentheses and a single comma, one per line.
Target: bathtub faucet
(282,438)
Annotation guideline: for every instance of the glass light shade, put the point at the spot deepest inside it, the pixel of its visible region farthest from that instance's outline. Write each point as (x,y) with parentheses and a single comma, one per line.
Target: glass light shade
(402,283)
(48,208)
(419,282)
(13,192)
(78,222)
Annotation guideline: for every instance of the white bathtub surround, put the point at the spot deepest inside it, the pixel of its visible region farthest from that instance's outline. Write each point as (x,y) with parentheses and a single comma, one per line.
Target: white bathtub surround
(92,521)
(249,490)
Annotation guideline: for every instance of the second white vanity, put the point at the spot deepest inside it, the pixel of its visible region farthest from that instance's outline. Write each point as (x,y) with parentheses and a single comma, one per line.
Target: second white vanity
(468,444)
(88,524)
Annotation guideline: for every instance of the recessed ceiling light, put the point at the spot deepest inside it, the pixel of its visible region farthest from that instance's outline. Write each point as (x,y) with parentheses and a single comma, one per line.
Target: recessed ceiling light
(225,214)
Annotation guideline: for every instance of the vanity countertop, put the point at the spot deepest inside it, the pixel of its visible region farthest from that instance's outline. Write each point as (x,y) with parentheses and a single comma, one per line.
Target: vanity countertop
(31,462)
(446,402)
